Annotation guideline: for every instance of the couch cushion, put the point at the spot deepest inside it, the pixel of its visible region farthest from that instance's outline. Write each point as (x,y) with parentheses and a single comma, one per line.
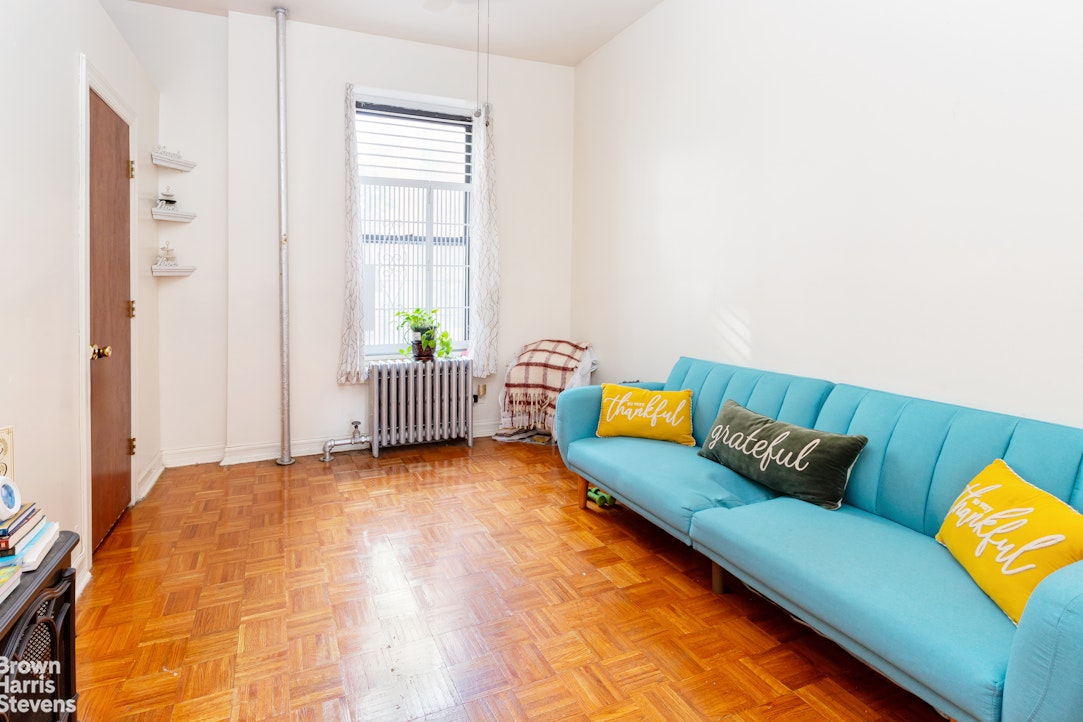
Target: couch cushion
(646,414)
(1010,535)
(663,482)
(793,399)
(893,597)
(921,453)
(803,463)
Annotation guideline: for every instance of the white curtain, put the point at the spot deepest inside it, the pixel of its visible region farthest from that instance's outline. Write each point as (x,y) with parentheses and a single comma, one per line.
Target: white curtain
(484,250)
(351,364)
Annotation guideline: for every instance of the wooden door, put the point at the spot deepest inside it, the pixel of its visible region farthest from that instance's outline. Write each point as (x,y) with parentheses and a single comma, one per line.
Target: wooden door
(110,325)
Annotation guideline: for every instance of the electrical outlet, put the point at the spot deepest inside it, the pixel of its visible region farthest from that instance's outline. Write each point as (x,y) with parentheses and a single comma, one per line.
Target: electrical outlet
(7,452)
(481,390)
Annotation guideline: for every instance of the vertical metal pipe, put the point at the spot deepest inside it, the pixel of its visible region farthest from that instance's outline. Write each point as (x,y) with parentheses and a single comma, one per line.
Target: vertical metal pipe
(468,399)
(378,402)
(283,246)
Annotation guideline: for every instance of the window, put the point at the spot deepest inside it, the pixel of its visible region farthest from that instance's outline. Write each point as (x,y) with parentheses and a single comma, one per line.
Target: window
(414,171)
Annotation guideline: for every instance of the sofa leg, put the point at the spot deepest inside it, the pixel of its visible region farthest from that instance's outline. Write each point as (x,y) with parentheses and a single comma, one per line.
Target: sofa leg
(718,578)
(582,493)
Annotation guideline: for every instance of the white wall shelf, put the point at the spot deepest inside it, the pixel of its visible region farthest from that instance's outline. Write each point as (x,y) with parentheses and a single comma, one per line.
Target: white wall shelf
(167,210)
(160,214)
(168,159)
(159,270)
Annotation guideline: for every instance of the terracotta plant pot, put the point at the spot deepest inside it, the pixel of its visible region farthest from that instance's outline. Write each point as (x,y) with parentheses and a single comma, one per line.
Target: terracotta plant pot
(420,353)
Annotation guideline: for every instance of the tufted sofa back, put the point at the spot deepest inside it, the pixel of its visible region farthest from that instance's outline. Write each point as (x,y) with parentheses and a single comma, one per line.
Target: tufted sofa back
(793,399)
(921,453)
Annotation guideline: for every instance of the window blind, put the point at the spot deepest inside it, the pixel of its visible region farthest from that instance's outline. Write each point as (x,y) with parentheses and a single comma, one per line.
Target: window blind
(423,145)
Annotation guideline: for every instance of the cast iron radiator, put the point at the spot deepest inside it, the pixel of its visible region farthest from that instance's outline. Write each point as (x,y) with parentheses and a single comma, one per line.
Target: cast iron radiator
(415,402)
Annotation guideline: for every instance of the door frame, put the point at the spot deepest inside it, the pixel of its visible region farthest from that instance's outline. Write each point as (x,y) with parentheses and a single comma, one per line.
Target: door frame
(91,79)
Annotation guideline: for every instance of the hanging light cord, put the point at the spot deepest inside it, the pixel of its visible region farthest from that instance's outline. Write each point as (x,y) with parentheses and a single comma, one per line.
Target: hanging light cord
(488,45)
(477,64)
(488,56)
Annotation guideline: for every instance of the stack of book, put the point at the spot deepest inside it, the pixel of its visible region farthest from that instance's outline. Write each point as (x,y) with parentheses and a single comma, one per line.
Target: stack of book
(25,537)
(9,579)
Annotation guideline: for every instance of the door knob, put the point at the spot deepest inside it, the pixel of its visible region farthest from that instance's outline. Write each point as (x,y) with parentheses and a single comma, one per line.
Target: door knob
(103,352)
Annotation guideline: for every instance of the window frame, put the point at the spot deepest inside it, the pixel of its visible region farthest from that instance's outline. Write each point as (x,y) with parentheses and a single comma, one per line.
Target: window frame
(459,118)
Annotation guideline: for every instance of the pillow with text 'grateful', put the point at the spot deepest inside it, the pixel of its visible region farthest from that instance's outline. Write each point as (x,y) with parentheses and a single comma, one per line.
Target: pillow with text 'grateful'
(810,465)
(1009,535)
(631,411)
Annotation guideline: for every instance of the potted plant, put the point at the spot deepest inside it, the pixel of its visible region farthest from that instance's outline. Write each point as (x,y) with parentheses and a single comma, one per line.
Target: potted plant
(424,334)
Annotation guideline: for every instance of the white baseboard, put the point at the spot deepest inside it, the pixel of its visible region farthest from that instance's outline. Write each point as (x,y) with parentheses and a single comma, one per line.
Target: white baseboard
(308,447)
(262,452)
(148,478)
(487,428)
(211,454)
(249,452)
(82,570)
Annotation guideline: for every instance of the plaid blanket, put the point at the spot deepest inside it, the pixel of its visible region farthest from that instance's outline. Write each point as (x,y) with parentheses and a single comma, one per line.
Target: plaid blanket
(531,385)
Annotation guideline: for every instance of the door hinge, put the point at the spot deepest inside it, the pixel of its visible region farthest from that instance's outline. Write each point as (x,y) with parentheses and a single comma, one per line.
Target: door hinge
(131,309)
(131,446)
(131,169)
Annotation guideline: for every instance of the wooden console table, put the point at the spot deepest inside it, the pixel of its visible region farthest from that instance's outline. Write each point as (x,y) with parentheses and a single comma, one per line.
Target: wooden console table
(37,641)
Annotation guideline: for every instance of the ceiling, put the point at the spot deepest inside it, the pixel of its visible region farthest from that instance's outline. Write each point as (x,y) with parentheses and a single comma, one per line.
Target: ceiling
(551,31)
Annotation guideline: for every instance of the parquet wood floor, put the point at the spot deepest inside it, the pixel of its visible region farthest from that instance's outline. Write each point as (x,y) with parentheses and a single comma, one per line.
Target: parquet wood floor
(437,583)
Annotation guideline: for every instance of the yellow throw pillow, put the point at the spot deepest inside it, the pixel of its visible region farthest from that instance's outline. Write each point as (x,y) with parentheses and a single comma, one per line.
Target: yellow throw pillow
(1009,535)
(662,415)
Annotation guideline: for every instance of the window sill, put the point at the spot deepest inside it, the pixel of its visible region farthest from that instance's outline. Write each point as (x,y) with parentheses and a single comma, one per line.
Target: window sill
(369,358)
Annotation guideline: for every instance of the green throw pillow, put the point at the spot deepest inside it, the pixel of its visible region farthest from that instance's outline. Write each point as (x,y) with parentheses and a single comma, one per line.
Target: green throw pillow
(806,464)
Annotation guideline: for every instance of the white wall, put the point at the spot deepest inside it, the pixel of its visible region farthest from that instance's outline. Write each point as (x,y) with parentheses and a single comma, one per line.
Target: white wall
(44,372)
(185,53)
(220,327)
(884,194)
(532,106)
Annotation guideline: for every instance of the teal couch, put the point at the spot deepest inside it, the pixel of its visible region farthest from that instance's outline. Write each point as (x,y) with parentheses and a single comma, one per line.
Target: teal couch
(870,575)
